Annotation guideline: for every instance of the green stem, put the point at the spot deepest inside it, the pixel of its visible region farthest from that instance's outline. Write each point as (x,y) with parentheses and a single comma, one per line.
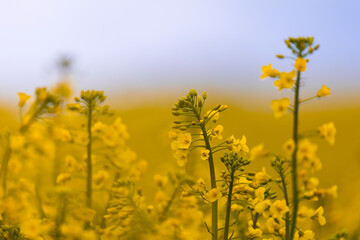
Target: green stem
(168,205)
(214,205)
(228,206)
(294,158)
(89,162)
(287,216)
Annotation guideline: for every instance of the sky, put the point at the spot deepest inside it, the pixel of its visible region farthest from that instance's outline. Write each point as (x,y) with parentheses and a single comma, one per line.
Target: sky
(160,44)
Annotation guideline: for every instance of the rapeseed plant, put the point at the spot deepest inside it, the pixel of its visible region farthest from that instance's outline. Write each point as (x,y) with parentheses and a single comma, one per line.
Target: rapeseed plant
(94,189)
(301,159)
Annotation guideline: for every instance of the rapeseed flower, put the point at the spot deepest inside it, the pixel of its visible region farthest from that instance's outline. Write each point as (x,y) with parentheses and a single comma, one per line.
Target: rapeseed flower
(300,64)
(280,106)
(324,91)
(268,71)
(328,132)
(286,80)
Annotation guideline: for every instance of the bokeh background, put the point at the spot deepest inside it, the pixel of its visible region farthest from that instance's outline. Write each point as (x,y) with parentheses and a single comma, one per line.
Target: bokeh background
(146,54)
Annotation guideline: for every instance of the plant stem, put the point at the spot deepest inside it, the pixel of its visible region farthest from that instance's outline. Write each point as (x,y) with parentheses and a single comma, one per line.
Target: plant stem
(287,216)
(89,163)
(294,158)
(214,205)
(228,205)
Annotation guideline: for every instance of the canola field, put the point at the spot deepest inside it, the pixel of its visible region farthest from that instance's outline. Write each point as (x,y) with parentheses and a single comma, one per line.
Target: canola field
(193,168)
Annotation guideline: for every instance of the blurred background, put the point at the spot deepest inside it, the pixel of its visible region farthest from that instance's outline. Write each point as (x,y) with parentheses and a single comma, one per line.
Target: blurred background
(146,54)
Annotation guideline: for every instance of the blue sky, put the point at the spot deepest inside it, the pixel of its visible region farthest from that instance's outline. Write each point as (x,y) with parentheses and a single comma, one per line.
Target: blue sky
(151,45)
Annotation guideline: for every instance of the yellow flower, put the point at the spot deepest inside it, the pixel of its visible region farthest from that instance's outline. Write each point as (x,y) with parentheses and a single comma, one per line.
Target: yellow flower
(184,140)
(100,178)
(328,131)
(306,235)
(254,233)
(324,91)
(286,80)
(263,207)
(173,135)
(218,130)
(160,181)
(244,148)
(205,154)
(70,163)
(236,207)
(213,115)
(181,157)
(306,150)
(300,64)
(279,208)
(318,215)
(305,212)
(260,193)
(268,71)
(213,195)
(289,147)
(201,183)
(63,178)
(257,152)
(272,225)
(280,106)
(261,177)
(23,97)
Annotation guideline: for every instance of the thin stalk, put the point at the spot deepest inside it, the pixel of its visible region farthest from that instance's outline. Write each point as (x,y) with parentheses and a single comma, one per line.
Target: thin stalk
(89,162)
(214,205)
(287,216)
(228,205)
(294,158)
(168,205)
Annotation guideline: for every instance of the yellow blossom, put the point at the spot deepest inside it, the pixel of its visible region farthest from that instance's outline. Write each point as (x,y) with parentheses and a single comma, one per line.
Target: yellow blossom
(70,163)
(173,135)
(286,80)
(306,150)
(305,212)
(184,140)
(63,178)
(260,193)
(213,115)
(254,233)
(100,178)
(306,235)
(318,215)
(213,195)
(263,207)
(120,192)
(205,154)
(272,225)
(289,147)
(324,91)
(181,157)
(300,64)
(201,183)
(280,106)
(278,209)
(236,207)
(261,177)
(161,181)
(257,152)
(328,131)
(218,130)
(268,71)
(23,98)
